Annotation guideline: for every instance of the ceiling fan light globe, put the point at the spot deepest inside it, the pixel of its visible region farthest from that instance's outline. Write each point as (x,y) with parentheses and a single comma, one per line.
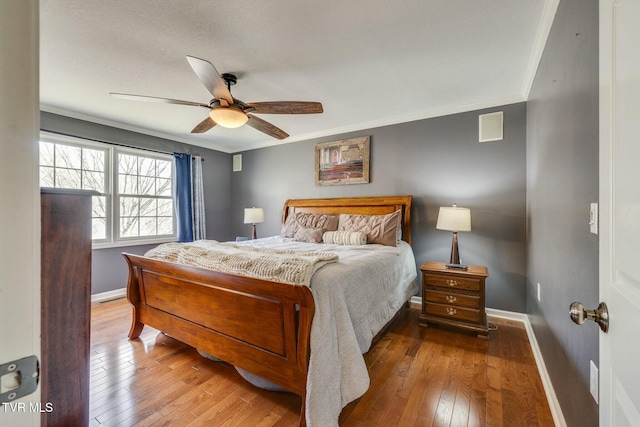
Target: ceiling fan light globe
(228,117)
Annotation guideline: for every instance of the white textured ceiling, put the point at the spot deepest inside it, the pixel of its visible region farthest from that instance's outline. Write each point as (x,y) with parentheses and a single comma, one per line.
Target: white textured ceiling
(370,63)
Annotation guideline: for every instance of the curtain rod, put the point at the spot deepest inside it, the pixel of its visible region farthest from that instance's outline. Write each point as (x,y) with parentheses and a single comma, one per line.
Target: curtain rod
(113,143)
(193,156)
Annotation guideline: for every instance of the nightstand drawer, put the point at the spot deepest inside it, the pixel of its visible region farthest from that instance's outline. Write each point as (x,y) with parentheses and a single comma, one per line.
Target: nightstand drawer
(457,313)
(453,282)
(459,300)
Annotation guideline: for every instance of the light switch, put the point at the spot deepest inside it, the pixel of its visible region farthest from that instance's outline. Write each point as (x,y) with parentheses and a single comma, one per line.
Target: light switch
(593,218)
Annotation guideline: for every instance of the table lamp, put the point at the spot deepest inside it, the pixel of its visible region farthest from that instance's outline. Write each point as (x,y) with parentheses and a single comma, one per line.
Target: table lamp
(454,219)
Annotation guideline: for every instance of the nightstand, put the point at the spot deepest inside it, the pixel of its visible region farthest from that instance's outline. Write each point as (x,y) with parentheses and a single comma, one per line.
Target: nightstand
(454,297)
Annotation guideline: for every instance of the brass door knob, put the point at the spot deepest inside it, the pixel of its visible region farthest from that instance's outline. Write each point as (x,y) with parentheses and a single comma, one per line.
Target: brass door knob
(600,315)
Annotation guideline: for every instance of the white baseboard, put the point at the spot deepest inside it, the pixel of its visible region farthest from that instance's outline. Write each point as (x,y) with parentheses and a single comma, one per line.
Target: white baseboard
(110,295)
(554,405)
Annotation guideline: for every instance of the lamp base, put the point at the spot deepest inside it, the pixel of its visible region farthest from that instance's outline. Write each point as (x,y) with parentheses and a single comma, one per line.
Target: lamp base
(254,235)
(455,255)
(454,262)
(463,267)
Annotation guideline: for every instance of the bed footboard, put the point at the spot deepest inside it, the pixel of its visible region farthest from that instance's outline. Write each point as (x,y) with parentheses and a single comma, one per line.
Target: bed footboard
(261,326)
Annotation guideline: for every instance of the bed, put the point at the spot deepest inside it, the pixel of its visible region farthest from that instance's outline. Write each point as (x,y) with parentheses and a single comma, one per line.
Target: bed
(291,335)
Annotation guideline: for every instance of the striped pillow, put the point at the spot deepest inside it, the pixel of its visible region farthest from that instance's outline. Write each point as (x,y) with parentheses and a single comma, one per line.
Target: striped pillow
(345,237)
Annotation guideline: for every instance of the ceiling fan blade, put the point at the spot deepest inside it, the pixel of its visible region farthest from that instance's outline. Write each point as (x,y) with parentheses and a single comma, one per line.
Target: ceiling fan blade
(156,99)
(286,107)
(204,125)
(266,127)
(210,78)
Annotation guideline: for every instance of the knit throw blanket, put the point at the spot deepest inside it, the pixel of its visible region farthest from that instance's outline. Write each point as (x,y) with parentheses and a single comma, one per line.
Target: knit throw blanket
(279,265)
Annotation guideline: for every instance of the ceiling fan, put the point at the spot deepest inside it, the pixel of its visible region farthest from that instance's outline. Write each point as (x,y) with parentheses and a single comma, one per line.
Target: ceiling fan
(227,111)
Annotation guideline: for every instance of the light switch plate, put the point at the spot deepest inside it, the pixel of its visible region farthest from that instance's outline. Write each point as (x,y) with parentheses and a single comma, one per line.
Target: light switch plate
(593,218)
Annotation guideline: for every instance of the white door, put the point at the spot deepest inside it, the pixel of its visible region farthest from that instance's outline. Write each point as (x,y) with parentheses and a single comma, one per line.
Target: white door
(620,211)
(19,203)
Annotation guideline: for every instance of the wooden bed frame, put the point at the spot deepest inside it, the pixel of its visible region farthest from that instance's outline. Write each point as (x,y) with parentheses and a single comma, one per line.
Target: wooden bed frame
(261,326)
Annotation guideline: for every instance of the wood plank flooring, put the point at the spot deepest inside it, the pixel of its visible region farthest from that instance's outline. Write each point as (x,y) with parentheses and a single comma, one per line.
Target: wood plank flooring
(419,377)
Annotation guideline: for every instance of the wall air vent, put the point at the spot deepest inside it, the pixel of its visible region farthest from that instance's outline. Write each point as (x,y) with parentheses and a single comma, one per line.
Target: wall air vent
(237,162)
(491,125)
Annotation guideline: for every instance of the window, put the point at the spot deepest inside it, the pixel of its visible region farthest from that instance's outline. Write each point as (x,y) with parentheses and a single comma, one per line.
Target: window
(135,204)
(144,195)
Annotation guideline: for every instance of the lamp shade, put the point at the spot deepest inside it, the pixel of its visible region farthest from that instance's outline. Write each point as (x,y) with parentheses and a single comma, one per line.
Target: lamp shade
(253,215)
(454,219)
(228,117)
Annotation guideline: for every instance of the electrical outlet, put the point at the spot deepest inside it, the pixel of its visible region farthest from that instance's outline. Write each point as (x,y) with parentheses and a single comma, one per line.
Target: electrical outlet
(593,380)
(538,291)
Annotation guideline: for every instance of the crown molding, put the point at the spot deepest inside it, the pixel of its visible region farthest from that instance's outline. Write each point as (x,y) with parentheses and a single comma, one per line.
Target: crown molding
(544,29)
(428,114)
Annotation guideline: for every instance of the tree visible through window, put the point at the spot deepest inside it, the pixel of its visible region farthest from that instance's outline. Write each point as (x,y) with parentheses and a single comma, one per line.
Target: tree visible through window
(144,191)
(141,204)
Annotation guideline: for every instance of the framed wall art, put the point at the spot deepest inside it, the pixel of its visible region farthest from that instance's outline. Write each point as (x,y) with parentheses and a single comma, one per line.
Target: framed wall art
(343,162)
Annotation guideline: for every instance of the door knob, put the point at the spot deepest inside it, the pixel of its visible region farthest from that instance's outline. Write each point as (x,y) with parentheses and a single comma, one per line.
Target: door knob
(600,315)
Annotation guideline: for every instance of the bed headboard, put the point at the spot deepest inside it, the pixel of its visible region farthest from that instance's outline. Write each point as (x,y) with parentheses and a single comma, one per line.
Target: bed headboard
(355,205)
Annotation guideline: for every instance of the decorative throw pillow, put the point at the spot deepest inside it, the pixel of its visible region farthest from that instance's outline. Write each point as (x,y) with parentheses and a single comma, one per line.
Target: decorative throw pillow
(345,237)
(309,235)
(381,229)
(299,220)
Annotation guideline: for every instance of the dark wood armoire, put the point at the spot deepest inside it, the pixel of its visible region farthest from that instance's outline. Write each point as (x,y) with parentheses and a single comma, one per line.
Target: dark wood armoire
(66,305)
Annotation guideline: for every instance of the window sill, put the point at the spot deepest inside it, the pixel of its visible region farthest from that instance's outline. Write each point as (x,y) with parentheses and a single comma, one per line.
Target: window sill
(125,243)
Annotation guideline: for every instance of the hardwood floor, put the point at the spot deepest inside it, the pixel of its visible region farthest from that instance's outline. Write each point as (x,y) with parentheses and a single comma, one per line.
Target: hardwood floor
(419,377)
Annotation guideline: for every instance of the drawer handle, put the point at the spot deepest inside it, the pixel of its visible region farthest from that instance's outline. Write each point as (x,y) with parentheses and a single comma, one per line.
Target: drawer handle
(451,311)
(452,282)
(451,299)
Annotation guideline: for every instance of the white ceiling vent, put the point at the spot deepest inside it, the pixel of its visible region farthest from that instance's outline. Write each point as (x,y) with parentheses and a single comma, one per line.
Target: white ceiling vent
(491,126)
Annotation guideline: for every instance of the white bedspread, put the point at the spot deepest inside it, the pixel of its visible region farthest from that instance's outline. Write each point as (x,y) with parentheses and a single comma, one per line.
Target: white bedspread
(355,297)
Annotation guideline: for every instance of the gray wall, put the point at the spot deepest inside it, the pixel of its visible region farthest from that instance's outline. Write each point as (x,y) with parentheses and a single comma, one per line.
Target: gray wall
(109,270)
(562,179)
(439,161)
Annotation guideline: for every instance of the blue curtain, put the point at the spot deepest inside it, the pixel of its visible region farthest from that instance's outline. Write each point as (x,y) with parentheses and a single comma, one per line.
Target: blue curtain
(182,196)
